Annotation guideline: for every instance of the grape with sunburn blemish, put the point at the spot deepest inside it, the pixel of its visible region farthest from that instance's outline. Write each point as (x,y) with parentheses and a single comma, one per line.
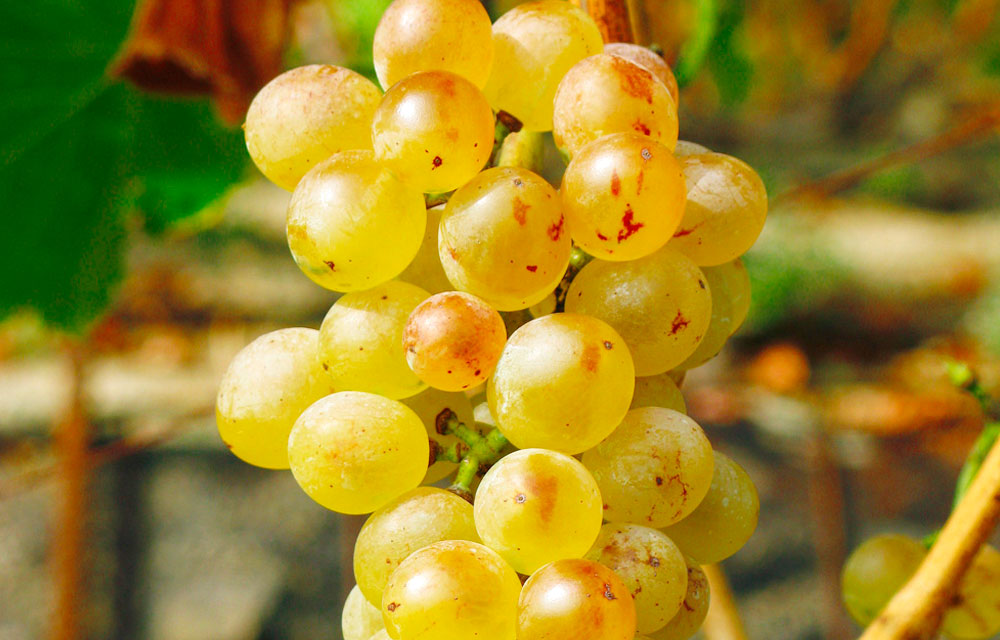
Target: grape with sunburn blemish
(646,57)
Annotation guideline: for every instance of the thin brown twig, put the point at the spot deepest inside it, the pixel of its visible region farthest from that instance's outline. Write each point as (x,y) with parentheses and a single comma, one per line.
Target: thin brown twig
(723,619)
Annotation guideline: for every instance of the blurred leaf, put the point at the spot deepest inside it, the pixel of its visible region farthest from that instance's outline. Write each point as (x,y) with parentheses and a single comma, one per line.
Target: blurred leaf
(355,23)
(730,66)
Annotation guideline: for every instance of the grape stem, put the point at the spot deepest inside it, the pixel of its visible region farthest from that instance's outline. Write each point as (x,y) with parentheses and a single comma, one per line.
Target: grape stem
(468,468)
(474,452)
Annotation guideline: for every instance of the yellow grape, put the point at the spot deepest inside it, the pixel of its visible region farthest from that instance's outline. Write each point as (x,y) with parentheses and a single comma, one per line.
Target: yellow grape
(535,44)
(606,94)
(434,130)
(726,209)
(428,405)
(352,225)
(975,615)
(689,617)
(360,619)
(361,340)
(353,452)
(502,238)
(267,385)
(875,571)
(724,520)
(655,468)
(410,522)
(453,340)
(421,35)
(652,61)
(687,148)
(306,115)
(425,270)
(535,506)
(659,304)
(651,566)
(575,599)
(623,196)
(453,590)
(658,391)
(729,284)
(381,634)
(543,308)
(564,382)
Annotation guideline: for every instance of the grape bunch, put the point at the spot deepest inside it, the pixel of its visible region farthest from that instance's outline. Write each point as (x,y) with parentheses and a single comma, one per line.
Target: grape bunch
(580,500)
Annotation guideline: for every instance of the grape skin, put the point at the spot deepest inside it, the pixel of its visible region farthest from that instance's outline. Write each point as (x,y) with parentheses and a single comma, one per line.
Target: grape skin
(267,385)
(688,148)
(976,612)
(535,506)
(306,115)
(360,619)
(353,452)
(729,285)
(351,225)
(693,610)
(425,269)
(875,571)
(428,405)
(658,391)
(652,61)
(564,382)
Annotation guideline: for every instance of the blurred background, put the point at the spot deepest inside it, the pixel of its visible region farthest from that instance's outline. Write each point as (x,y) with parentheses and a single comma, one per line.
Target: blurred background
(140,251)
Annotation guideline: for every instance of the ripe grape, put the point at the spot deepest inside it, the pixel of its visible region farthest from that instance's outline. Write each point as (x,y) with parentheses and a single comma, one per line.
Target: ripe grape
(659,304)
(606,94)
(875,571)
(361,341)
(381,634)
(652,61)
(425,270)
(502,238)
(726,209)
(724,520)
(267,385)
(353,452)
(535,506)
(623,196)
(975,613)
(434,130)
(651,566)
(410,522)
(658,391)
(352,225)
(428,405)
(535,44)
(575,599)
(729,285)
(688,148)
(654,469)
(421,35)
(360,619)
(689,617)
(564,382)
(306,115)
(453,340)
(453,590)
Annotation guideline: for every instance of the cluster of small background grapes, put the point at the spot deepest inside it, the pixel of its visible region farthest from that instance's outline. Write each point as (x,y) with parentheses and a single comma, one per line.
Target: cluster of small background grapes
(584,473)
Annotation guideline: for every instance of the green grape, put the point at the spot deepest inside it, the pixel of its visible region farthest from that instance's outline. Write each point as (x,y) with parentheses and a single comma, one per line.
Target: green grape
(535,506)
(502,238)
(361,341)
(453,340)
(352,225)
(267,385)
(575,599)
(652,61)
(423,35)
(724,520)
(687,148)
(428,405)
(353,452)
(434,130)
(651,566)
(564,382)
(875,571)
(659,304)
(606,94)
(425,270)
(306,115)
(726,209)
(654,469)
(410,522)
(975,614)
(623,196)
(689,617)
(361,619)
(658,391)
(453,590)
(535,44)
(729,285)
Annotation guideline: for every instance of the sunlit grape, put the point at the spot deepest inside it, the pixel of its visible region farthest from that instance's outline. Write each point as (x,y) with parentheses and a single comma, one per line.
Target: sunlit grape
(623,196)
(975,611)
(425,270)
(875,571)
(689,617)
(564,382)
(360,619)
(306,115)
(658,391)
(688,148)
(428,405)
(353,452)
(649,59)
(434,130)
(352,225)
(729,285)
(267,385)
